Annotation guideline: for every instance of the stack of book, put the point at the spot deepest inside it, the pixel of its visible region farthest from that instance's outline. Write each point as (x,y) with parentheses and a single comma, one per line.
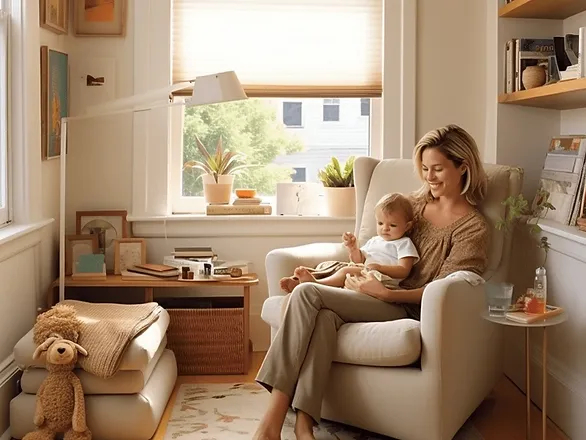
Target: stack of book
(250,206)
(151,270)
(194,253)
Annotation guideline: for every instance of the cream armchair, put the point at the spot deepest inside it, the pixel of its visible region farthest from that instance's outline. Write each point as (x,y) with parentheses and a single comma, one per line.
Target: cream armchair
(412,380)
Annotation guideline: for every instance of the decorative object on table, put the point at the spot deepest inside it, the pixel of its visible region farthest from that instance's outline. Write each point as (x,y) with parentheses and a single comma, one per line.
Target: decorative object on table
(54,100)
(299,198)
(60,407)
(77,245)
(107,225)
(128,252)
(534,76)
(245,193)
(54,15)
(90,266)
(99,18)
(219,169)
(338,182)
(524,317)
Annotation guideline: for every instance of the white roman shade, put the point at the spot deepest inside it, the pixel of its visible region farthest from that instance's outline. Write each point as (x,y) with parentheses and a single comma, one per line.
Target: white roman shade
(282,48)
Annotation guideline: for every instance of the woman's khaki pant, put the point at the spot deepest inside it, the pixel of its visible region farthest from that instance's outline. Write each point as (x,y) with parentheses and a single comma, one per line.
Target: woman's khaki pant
(299,358)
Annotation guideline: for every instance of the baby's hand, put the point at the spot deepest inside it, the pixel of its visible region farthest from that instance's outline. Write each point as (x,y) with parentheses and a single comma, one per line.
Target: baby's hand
(349,240)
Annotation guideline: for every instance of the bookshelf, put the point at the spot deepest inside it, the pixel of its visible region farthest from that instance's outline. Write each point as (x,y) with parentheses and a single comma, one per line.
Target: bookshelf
(548,9)
(563,95)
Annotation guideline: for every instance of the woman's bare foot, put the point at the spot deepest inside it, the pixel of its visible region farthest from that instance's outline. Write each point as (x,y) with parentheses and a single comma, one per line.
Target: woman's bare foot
(288,284)
(304,426)
(304,275)
(263,436)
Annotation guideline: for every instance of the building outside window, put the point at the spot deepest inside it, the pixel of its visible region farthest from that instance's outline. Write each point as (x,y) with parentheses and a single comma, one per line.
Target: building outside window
(292,114)
(365,106)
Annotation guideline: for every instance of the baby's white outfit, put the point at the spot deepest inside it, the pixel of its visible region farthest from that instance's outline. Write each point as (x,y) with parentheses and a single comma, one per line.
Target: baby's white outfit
(388,253)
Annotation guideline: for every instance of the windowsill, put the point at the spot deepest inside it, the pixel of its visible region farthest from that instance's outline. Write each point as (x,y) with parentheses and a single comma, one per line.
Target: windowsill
(571,233)
(201,225)
(13,232)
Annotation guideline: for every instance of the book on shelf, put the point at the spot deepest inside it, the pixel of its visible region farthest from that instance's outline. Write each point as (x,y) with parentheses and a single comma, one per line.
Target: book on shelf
(247,201)
(528,318)
(239,210)
(562,178)
(127,275)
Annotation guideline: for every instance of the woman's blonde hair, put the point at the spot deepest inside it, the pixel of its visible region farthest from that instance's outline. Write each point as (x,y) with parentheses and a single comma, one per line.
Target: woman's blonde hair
(457,145)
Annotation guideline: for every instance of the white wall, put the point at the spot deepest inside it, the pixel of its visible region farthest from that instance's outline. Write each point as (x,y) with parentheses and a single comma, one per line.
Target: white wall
(451,66)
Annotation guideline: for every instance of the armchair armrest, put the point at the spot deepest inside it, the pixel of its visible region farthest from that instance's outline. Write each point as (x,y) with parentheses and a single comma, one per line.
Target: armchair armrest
(282,262)
(461,351)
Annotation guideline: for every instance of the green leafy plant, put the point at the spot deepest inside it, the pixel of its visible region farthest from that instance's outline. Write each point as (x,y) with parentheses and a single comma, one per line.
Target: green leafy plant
(221,162)
(333,175)
(518,208)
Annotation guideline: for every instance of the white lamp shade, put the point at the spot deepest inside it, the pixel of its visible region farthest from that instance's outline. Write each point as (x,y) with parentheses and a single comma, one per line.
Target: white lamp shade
(217,87)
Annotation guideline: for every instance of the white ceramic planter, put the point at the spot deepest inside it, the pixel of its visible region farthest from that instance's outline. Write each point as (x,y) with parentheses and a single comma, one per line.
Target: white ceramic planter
(341,202)
(217,193)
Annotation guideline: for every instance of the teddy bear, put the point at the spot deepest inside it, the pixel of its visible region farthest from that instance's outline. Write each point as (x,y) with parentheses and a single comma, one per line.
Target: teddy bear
(60,405)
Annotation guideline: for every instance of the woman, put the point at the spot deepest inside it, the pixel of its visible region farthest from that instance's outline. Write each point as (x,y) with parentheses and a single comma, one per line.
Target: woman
(450,234)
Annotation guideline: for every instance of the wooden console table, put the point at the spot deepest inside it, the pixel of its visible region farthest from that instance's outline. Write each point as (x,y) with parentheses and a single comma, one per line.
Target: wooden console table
(149,284)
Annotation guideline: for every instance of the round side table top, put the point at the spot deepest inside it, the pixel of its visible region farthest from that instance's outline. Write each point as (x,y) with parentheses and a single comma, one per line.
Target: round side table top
(548,322)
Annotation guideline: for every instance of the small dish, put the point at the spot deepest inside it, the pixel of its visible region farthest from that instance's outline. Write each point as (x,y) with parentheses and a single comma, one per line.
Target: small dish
(245,193)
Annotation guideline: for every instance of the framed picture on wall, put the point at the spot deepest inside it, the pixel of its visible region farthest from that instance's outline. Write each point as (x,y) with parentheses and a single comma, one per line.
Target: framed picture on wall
(54,100)
(103,18)
(54,15)
(128,252)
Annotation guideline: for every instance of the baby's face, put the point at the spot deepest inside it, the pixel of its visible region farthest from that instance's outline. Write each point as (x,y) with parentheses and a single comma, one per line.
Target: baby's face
(392,225)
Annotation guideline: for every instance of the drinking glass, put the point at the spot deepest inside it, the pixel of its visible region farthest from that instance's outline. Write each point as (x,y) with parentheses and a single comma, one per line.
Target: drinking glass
(498,298)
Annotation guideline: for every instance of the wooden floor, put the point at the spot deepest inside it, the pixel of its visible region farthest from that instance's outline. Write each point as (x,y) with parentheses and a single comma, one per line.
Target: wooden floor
(500,417)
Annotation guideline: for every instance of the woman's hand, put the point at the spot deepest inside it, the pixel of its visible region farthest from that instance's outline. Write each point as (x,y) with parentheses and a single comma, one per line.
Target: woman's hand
(368,284)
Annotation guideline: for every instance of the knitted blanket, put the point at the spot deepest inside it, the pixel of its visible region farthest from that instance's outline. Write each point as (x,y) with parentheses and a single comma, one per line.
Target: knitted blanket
(107,330)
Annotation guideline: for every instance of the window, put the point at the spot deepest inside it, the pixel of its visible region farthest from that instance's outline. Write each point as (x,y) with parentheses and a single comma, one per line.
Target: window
(280,128)
(4,115)
(364,106)
(292,114)
(331,109)
(299,175)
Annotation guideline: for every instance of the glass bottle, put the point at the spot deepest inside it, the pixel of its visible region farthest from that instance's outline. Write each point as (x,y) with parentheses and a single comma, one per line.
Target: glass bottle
(540,291)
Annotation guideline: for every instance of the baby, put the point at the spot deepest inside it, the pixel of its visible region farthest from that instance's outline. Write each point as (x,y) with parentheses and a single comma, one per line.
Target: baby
(389,255)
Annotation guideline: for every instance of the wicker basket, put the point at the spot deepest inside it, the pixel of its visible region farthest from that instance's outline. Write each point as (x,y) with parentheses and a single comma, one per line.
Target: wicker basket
(207,341)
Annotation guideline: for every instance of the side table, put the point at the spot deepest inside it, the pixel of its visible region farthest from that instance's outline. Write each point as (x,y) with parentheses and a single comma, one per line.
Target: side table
(543,323)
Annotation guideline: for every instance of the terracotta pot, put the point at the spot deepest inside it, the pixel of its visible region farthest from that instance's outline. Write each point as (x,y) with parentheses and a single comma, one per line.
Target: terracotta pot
(533,76)
(217,193)
(341,202)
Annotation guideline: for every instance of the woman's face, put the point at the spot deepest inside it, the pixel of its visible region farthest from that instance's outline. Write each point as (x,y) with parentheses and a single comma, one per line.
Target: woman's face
(442,175)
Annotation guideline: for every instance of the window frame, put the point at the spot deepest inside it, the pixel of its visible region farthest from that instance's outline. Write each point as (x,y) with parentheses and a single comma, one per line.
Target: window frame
(196,205)
(5,187)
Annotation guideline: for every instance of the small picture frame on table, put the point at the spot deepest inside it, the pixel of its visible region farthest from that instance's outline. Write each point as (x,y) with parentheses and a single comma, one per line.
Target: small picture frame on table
(128,252)
(107,225)
(76,245)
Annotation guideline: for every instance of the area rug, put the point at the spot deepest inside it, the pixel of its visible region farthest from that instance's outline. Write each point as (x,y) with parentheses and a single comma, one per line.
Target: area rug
(233,411)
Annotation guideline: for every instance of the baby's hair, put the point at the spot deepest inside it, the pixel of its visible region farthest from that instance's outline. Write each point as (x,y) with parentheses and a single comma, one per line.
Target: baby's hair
(394,202)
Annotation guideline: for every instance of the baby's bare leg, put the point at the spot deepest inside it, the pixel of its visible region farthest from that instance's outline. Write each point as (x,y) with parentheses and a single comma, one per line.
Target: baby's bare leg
(336,280)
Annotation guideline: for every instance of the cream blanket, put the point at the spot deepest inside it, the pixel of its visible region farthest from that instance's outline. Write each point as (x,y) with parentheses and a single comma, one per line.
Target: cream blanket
(108,329)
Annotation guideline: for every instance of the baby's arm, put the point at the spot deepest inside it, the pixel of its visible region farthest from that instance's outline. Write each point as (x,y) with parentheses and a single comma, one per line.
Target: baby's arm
(398,271)
(355,254)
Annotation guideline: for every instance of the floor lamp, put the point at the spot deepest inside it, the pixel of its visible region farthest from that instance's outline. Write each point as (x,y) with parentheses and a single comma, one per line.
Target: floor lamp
(207,89)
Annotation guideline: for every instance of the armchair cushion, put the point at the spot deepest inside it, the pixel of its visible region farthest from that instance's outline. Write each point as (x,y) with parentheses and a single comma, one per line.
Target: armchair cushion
(376,344)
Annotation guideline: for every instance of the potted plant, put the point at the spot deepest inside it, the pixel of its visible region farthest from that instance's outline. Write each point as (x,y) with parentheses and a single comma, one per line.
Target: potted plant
(339,188)
(219,170)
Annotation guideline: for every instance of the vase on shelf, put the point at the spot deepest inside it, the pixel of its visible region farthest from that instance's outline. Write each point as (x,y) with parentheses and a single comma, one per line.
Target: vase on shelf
(217,193)
(533,76)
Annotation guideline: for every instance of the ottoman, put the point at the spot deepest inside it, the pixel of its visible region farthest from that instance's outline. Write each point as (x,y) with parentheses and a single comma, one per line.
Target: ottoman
(126,406)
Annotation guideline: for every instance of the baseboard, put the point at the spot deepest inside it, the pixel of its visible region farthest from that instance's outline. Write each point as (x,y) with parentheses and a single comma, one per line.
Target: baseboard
(8,375)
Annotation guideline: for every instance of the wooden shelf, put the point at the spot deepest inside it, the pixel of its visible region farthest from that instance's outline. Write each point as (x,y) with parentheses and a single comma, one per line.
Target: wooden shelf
(550,9)
(563,95)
